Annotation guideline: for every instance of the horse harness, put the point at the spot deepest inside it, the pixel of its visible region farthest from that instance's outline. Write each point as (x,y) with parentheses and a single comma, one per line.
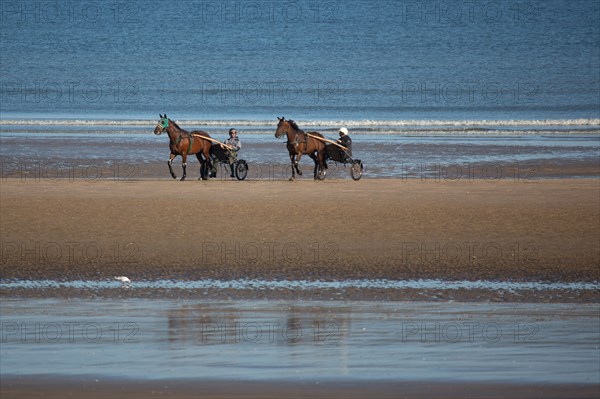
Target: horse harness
(296,141)
(189,136)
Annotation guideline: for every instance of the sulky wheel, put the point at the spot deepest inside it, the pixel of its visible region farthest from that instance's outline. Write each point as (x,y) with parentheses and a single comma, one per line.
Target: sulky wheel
(356,170)
(241,169)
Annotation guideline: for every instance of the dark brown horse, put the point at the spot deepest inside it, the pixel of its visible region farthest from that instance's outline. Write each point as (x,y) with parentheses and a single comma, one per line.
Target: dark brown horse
(299,142)
(182,142)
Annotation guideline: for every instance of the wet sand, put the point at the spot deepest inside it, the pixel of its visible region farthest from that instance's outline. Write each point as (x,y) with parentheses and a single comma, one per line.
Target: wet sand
(340,229)
(178,348)
(51,388)
(101,153)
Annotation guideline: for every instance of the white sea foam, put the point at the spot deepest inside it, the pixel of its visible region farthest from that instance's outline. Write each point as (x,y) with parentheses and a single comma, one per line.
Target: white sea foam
(465,124)
(255,284)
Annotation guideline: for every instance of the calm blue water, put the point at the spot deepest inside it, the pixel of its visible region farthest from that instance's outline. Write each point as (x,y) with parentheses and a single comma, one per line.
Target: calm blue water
(314,59)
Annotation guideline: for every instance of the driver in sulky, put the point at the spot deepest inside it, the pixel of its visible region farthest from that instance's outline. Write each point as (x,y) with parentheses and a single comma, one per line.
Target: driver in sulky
(346,141)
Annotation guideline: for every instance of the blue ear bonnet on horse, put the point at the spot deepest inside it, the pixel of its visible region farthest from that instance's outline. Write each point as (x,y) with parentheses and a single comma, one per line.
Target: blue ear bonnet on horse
(164,121)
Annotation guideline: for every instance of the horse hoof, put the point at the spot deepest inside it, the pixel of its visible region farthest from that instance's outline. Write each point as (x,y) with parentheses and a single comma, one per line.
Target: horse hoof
(299,173)
(174,177)
(291,179)
(182,179)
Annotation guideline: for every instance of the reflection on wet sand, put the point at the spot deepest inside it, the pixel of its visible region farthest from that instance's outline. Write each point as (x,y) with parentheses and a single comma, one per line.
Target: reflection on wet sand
(302,341)
(203,324)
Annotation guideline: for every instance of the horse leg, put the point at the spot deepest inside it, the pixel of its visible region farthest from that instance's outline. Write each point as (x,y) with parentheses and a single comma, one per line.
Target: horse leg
(209,165)
(318,165)
(297,164)
(202,166)
(170,163)
(316,169)
(207,162)
(292,156)
(184,165)
(320,160)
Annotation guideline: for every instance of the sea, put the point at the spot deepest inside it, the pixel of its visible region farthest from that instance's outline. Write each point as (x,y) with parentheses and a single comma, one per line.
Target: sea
(302,59)
(411,74)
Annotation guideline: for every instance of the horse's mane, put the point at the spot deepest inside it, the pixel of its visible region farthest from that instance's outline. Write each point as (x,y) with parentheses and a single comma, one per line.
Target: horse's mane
(295,126)
(176,125)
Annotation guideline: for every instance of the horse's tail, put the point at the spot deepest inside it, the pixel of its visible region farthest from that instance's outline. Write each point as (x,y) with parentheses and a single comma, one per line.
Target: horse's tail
(322,145)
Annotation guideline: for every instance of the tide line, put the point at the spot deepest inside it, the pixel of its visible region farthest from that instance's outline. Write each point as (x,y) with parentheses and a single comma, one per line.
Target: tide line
(254,284)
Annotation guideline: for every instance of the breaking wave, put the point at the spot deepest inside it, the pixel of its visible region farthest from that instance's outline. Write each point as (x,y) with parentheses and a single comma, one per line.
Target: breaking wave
(465,124)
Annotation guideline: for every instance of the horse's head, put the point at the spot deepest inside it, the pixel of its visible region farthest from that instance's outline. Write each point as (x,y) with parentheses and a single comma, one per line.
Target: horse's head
(282,127)
(162,124)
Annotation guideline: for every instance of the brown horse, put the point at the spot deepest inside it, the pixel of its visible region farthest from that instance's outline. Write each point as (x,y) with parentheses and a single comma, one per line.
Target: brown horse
(183,143)
(299,142)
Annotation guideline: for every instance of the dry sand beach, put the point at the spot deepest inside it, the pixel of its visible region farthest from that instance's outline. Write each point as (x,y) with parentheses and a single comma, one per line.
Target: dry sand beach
(379,229)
